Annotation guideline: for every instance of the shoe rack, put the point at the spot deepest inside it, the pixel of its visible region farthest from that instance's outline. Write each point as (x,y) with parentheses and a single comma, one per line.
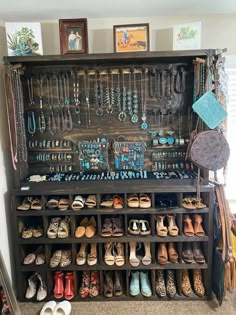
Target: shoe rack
(162,85)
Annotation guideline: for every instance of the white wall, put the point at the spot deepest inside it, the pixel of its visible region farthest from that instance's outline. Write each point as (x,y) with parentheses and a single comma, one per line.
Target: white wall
(218,31)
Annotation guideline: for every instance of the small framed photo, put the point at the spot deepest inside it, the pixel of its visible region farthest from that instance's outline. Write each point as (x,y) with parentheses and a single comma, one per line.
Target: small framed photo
(73,36)
(131,37)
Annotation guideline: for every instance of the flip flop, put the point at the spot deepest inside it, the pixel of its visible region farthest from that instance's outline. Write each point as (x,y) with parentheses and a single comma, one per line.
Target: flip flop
(145,201)
(133,201)
(91,201)
(78,203)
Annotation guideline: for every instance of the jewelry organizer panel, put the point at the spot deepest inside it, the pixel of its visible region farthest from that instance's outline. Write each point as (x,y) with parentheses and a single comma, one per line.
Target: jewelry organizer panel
(148,103)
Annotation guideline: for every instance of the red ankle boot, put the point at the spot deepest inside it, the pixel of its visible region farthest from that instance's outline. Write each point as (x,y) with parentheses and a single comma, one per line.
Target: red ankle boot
(59,284)
(69,289)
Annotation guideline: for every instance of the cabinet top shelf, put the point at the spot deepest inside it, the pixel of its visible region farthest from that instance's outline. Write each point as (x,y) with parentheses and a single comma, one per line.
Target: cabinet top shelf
(110,57)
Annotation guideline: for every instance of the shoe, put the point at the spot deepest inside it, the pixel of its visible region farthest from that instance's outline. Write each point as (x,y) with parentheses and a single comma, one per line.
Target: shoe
(81,255)
(62,308)
(107,228)
(133,260)
(108,284)
(66,258)
(55,259)
(144,227)
(145,201)
(198,283)
(42,290)
(69,286)
(118,252)
(197,253)
(109,259)
(29,259)
(147,259)
(162,256)
(170,283)
(133,201)
(64,228)
(85,284)
(198,229)
(32,286)
(94,284)
(185,285)
(48,308)
(92,256)
(81,229)
(134,227)
(53,227)
(90,229)
(187,253)
(173,230)
(117,226)
(58,285)
(118,290)
(134,288)
(188,226)
(172,253)
(161,230)
(91,201)
(145,284)
(160,283)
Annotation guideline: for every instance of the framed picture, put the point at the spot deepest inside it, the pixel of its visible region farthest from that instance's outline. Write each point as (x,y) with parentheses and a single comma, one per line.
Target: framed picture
(73,36)
(131,37)
(187,36)
(24,39)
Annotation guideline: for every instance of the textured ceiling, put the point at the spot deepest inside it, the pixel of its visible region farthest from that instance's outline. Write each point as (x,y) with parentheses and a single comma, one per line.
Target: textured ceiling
(33,10)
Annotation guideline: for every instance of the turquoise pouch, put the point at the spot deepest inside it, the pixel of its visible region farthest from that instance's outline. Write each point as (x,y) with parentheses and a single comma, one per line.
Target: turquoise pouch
(210,110)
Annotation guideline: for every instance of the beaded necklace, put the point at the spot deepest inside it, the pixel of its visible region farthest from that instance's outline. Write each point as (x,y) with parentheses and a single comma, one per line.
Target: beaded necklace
(134,117)
(86,92)
(51,118)
(122,114)
(144,124)
(76,96)
(68,117)
(31,121)
(42,120)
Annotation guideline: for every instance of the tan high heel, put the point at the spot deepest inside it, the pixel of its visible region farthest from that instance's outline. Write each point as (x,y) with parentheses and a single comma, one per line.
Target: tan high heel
(172,227)
(188,227)
(198,229)
(120,257)
(160,228)
(133,260)
(109,258)
(172,253)
(81,256)
(162,256)
(92,256)
(147,259)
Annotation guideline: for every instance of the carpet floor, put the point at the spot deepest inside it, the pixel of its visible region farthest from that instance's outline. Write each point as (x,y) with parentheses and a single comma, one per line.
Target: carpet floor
(147,308)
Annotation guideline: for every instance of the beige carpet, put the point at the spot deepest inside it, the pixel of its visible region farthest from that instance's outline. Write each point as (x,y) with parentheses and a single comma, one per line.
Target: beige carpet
(144,308)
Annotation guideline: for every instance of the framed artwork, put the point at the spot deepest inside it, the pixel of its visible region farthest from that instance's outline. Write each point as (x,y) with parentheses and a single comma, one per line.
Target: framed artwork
(73,36)
(187,36)
(131,37)
(24,39)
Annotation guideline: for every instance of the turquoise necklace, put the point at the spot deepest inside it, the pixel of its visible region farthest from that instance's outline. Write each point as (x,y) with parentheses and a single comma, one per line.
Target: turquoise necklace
(144,124)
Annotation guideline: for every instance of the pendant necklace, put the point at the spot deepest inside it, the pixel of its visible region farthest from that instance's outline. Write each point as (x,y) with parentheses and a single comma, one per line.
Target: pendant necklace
(76,96)
(60,102)
(152,82)
(42,120)
(107,97)
(51,118)
(144,124)
(31,121)
(129,97)
(98,90)
(122,114)
(86,92)
(134,117)
(112,93)
(117,94)
(68,117)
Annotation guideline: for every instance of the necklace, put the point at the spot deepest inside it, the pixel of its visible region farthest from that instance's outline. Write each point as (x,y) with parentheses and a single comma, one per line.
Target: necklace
(117,94)
(31,122)
(112,93)
(68,117)
(59,96)
(129,97)
(107,97)
(122,114)
(134,117)
(76,97)
(51,118)
(42,120)
(153,82)
(30,91)
(86,92)
(98,90)
(144,124)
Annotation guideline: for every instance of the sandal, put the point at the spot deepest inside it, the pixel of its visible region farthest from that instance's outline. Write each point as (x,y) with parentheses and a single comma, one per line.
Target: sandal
(160,283)
(133,201)
(198,283)
(118,202)
(94,284)
(81,256)
(63,204)
(108,284)
(91,201)
(197,254)
(36,204)
(170,283)
(92,256)
(90,229)
(55,259)
(106,228)
(27,233)
(81,229)
(26,204)
(134,227)
(144,227)
(53,203)
(78,203)
(40,259)
(133,260)
(64,229)
(186,286)
(162,256)
(119,254)
(147,259)
(160,228)
(145,201)
(37,232)
(187,253)
(53,227)
(188,227)
(109,259)
(198,229)
(187,203)
(29,259)
(66,258)
(172,253)
(173,230)
(117,227)
(107,201)
(198,203)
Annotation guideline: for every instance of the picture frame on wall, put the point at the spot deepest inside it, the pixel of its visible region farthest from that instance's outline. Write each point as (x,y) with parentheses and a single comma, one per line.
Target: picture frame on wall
(73,36)
(24,38)
(131,37)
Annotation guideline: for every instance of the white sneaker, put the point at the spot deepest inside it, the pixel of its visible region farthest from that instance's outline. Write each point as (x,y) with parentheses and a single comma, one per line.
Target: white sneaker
(48,308)
(62,308)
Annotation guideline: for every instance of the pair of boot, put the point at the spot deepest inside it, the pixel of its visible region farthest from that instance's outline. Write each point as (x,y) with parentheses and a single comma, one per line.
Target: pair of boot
(31,290)
(165,285)
(197,283)
(140,283)
(60,289)
(112,284)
